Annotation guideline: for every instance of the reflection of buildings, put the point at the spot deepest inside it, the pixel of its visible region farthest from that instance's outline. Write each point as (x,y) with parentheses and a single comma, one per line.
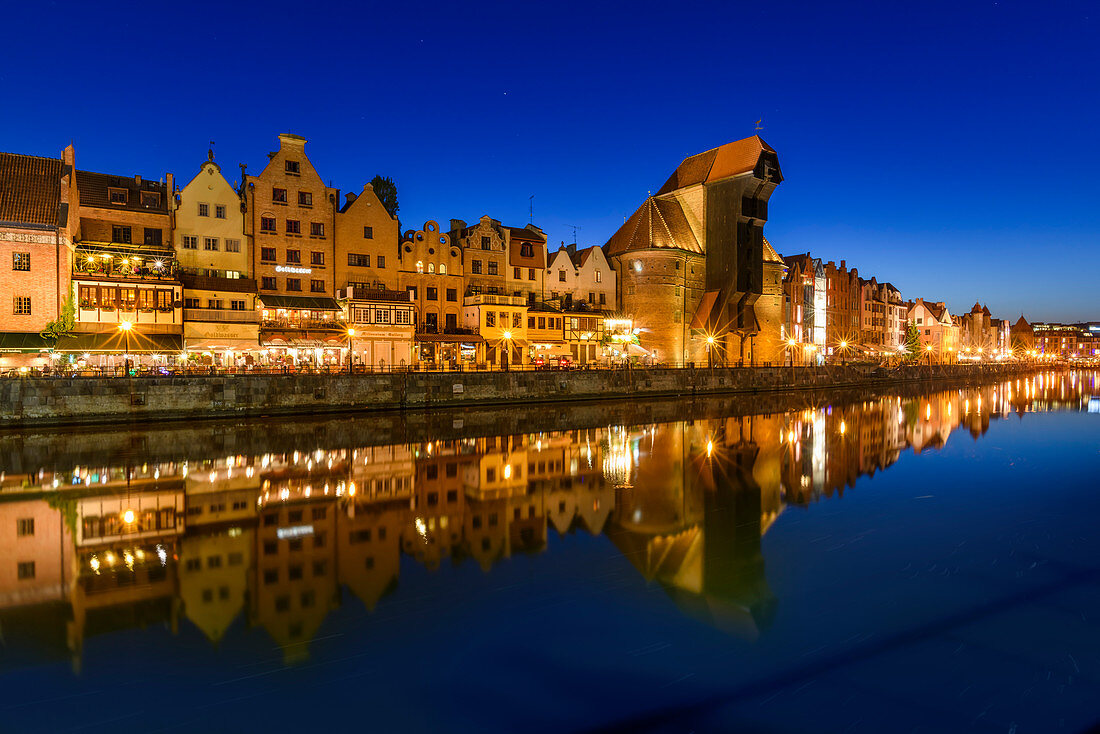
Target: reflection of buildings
(273,540)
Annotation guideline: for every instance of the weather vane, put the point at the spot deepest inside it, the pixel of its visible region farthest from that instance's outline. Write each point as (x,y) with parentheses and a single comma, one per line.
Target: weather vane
(758,125)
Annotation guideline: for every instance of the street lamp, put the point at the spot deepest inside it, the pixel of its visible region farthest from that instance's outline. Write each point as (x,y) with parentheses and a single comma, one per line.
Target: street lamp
(124,327)
(710,353)
(351,348)
(507,349)
(928,348)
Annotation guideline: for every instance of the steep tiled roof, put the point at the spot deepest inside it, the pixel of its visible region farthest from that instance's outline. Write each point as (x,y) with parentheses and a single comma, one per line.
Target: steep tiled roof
(30,189)
(525,234)
(770,255)
(658,223)
(936,309)
(583,255)
(716,164)
(93,192)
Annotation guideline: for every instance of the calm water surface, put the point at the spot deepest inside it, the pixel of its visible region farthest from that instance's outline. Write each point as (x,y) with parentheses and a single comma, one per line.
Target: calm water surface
(926,563)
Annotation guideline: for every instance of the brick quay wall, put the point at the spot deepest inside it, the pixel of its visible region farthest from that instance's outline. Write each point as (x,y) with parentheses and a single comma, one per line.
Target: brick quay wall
(34,401)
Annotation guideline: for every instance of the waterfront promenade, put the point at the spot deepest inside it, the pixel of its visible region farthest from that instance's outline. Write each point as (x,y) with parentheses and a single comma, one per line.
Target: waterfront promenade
(32,401)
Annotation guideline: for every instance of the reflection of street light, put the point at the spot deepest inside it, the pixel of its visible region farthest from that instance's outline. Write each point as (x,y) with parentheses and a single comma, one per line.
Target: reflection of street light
(128,517)
(124,327)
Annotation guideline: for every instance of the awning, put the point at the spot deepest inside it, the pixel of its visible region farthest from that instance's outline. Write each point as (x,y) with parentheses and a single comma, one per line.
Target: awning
(635,351)
(18,342)
(702,313)
(450,338)
(313,303)
(214,344)
(132,342)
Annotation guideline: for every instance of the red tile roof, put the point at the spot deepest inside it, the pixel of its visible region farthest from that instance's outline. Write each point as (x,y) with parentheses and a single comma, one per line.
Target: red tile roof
(718,163)
(658,223)
(30,189)
(770,255)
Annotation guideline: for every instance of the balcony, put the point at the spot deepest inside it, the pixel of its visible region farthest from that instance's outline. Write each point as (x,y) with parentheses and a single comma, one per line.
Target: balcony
(302,324)
(209,283)
(452,330)
(221,315)
(492,299)
(374,295)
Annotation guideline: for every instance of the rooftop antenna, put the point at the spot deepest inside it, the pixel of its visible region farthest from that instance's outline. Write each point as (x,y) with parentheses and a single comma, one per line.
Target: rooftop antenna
(758,125)
(575,228)
(531,208)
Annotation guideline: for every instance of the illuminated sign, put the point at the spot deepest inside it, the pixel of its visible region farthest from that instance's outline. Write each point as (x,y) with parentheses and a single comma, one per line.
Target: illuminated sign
(289,269)
(294,531)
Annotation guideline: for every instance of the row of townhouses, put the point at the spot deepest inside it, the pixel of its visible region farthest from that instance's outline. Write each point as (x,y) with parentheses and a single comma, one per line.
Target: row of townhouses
(280,269)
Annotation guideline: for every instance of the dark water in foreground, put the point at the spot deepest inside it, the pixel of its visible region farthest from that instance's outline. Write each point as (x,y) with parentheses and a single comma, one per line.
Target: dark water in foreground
(923,563)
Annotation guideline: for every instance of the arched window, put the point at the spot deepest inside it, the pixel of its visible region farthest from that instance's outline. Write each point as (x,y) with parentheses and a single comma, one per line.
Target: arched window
(431,267)
(420,266)
(442,268)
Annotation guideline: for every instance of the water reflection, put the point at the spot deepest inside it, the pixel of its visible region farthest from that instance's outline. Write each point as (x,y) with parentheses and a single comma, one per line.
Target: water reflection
(276,539)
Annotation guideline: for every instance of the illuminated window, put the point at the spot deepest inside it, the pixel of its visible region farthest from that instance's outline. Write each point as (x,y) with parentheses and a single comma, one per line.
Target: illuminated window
(420,266)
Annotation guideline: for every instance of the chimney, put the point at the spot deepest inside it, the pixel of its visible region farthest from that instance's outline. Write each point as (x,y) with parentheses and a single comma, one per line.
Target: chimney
(169,181)
(457,224)
(350,197)
(842,265)
(137,180)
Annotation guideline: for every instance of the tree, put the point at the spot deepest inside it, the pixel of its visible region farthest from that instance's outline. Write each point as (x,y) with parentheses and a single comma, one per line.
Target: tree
(65,322)
(386,191)
(912,342)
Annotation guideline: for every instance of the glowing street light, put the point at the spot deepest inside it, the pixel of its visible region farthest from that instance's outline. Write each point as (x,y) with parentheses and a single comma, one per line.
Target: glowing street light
(128,517)
(351,348)
(125,327)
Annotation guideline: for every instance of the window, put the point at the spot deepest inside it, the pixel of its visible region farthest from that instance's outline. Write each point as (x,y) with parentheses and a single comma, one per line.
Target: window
(432,294)
(210,244)
(492,267)
(599,276)
(411,289)
(294,284)
(490,318)
(236,306)
(431,267)
(316,286)
(358,261)
(190,242)
(485,243)
(530,322)
(383,317)
(381,261)
(527,250)
(211,303)
(561,276)
(293,167)
(120,234)
(530,273)
(517,273)
(420,266)
(267,253)
(20,261)
(603,299)
(267,283)
(117,196)
(204,210)
(402,316)
(25,570)
(305,198)
(153,237)
(24,527)
(517,320)
(452,295)
(475,267)
(316,229)
(294,256)
(267,224)
(232,245)
(22,305)
(316,258)
(368,233)
(219,211)
(293,226)
(278,196)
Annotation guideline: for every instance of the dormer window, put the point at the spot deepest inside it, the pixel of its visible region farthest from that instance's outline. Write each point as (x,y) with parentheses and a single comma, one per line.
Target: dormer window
(527,250)
(293,167)
(150,198)
(117,196)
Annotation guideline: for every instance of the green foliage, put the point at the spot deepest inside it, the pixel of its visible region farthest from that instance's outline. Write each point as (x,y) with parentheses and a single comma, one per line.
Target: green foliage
(386,191)
(912,342)
(65,322)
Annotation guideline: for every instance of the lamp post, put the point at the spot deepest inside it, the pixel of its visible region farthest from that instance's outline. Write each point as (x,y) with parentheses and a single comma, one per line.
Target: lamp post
(843,353)
(507,350)
(928,349)
(351,349)
(124,327)
(710,352)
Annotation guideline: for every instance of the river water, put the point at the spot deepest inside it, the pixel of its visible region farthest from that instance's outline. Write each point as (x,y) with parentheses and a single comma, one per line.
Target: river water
(925,560)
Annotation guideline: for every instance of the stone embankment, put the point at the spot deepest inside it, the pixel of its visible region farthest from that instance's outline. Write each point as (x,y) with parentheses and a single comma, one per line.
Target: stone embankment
(64,401)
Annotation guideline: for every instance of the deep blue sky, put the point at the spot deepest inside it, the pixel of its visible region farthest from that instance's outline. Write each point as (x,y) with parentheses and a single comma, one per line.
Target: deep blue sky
(951,148)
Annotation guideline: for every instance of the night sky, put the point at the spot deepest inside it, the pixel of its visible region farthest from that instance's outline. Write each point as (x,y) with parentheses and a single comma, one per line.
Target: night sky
(950,148)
